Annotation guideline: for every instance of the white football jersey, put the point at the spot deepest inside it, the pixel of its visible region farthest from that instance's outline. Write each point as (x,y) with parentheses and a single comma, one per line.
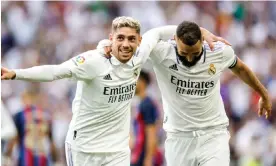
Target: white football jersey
(191,95)
(101,108)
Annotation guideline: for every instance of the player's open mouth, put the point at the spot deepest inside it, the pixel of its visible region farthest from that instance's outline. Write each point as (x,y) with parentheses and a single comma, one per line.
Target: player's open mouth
(126,53)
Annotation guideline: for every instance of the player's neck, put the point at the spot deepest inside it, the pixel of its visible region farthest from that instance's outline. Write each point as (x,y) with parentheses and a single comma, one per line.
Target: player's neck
(122,61)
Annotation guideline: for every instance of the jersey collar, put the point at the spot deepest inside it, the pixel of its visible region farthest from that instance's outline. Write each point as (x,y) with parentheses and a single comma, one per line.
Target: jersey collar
(203,59)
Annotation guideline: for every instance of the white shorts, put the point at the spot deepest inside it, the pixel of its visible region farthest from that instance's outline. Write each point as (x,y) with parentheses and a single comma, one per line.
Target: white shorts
(76,158)
(198,148)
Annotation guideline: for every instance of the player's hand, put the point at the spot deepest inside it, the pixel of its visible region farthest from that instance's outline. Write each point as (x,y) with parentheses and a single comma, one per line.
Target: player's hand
(104,47)
(7,74)
(107,50)
(265,107)
(211,38)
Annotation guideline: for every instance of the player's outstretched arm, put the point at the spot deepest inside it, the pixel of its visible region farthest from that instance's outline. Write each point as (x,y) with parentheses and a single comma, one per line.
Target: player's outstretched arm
(80,67)
(43,73)
(245,74)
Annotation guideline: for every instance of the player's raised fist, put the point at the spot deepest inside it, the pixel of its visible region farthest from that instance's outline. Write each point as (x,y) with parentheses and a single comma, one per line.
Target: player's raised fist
(7,74)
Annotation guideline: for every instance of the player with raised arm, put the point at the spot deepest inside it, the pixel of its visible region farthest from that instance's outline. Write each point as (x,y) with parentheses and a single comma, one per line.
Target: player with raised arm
(188,74)
(99,131)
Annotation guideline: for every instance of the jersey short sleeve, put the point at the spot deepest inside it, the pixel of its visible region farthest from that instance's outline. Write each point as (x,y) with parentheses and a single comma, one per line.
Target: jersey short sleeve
(229,59)
(84,66)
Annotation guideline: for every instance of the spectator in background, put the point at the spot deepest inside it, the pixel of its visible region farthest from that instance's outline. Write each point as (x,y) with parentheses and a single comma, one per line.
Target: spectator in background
(34,139)
(145,151)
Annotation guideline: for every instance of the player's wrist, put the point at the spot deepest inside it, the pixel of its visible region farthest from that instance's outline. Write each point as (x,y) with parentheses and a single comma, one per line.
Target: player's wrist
(13,75)
(265,99)
(264,95)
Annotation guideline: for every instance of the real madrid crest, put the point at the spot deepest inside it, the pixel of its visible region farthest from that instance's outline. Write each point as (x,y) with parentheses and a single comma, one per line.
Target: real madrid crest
(212,69)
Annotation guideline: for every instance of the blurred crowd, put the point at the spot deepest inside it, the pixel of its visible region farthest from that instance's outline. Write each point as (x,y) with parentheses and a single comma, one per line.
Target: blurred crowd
(38,32)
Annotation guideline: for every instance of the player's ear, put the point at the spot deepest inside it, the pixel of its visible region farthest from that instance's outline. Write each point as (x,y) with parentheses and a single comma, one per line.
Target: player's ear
(110,36)
(174,37)
(139,39)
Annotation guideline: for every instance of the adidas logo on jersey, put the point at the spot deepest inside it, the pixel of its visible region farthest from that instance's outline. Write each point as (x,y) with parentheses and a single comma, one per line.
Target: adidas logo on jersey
(174,67)
(136,72)
(107,77)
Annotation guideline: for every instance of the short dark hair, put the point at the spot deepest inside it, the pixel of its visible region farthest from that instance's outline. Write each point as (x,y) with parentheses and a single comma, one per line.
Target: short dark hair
(188,32)
(145,76)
